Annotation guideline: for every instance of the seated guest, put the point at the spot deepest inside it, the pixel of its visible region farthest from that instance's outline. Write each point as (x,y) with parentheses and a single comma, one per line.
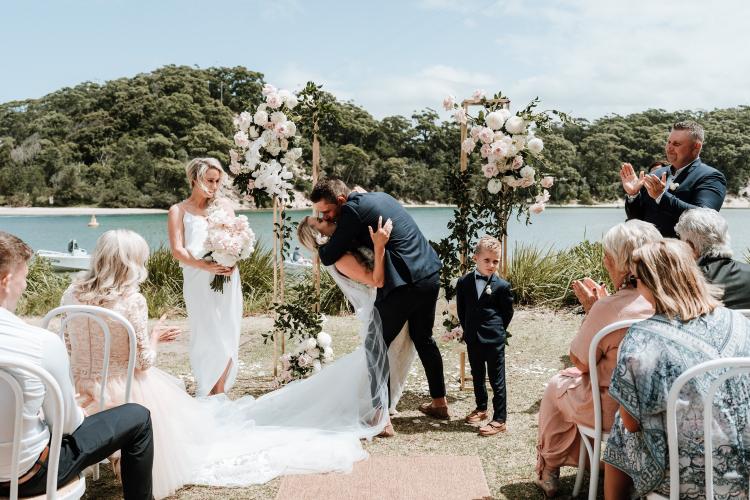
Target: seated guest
(707,233)
(567,400)
(86,440)
(690,326)
(686,182)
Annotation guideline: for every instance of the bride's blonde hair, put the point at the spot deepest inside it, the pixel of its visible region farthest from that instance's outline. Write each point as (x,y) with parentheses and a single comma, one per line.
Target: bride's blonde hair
(197,169)
(307,235)
(118,267)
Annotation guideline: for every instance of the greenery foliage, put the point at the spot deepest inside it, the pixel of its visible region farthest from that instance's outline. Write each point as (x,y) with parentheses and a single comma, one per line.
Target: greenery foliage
(44,289)
(125,142)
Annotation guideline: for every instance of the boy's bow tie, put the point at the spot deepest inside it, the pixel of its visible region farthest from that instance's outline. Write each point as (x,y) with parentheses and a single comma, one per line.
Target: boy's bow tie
(481,277)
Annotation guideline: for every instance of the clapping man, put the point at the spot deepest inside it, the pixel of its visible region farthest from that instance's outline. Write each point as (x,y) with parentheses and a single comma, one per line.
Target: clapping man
(686,182)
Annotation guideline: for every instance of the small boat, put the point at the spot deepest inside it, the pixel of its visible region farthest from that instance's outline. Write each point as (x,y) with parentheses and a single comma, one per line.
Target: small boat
(297,264)
(75,259)
(93,222)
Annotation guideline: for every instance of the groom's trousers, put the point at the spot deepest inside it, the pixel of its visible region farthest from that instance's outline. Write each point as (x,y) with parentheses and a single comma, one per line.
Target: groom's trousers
(415,303)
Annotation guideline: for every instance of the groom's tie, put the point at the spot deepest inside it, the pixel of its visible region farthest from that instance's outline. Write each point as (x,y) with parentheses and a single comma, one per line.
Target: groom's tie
(481,277)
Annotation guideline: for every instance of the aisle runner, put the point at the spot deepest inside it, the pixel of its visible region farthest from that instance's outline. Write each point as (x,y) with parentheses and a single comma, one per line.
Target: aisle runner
(392,478)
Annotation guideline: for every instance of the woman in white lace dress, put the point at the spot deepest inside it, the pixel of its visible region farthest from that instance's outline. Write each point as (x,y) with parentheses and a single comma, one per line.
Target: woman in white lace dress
(214,317)
(309,426)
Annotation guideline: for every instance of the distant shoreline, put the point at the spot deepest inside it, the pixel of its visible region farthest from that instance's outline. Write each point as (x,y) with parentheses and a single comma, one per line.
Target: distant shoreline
(729,203)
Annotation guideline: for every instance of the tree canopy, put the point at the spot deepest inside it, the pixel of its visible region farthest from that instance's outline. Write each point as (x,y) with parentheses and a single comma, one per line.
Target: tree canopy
(125,143)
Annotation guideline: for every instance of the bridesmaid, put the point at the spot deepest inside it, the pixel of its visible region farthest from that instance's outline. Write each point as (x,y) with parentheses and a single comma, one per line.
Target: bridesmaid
(214,317)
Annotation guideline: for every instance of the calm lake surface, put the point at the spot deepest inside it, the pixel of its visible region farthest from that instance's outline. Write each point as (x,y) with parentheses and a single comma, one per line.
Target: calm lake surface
(556,227)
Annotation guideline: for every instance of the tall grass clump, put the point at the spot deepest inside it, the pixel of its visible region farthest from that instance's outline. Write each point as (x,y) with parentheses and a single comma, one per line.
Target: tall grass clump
(256,273)
(543,276)
(44,288)
(163,287)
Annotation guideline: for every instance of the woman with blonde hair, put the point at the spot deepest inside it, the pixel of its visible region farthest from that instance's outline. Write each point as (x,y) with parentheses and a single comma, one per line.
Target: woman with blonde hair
(567,400)
(214,317)
(690,326)
(113,282)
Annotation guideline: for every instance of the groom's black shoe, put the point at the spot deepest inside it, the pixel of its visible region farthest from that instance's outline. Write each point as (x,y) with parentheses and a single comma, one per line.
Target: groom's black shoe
(439,412)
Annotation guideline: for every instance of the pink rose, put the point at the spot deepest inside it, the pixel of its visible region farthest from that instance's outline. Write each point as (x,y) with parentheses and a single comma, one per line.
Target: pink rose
(486,135)
(460,116)
(468,145)
(449,102)
(536,208)
(478,94)
(547,181)
(489,170)
(486,150)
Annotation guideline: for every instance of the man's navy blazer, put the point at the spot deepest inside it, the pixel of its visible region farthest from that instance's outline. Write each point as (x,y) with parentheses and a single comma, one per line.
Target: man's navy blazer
(699,185)
(484,319)
(409,257)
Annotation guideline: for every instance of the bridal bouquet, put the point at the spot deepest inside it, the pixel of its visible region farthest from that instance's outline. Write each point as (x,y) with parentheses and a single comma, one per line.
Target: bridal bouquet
(453,330)
(229,240)
(307,358)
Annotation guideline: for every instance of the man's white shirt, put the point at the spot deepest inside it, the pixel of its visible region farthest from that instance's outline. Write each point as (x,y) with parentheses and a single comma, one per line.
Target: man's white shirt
(21,341)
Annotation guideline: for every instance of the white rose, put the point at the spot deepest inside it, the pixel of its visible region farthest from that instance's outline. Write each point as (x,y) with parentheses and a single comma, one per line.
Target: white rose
(460,116)
(517,162)
(519,141)
(278,117)
(536,208)
(241,139)
(486,135)
(527,172)
(494,120)
(504,114)
(260,118)
(292,102)
(311,343)
(313,353)
(449,102)
(244,121)
(468,145)
(547,181)
(489,170)
(268,89)
(328,353)
(324,340)
(535,145)
(474,132)
(494,186)
(252,132)
(291,129)
(316,365)
(274,101)
(515,125)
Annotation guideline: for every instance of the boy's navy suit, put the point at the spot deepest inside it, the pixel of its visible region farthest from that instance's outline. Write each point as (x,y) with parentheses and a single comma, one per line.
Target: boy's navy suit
(484,319)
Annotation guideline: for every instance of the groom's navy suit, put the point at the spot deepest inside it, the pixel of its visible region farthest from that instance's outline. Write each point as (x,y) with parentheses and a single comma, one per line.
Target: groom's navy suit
(412,273)
(698,185)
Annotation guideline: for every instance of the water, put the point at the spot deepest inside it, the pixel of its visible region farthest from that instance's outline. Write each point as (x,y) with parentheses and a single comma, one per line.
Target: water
(556,227)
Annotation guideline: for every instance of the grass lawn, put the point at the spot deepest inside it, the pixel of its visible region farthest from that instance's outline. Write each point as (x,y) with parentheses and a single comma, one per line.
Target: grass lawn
(538,348)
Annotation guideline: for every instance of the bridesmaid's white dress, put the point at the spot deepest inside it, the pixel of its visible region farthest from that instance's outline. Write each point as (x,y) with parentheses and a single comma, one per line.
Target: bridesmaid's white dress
(214,318)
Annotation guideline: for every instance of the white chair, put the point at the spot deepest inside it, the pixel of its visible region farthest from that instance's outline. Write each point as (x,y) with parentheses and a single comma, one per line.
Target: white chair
(72,490)
(736,366)
(596,433)
(98,315)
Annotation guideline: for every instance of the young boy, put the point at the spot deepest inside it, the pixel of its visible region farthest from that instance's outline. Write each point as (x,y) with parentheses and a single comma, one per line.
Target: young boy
(485,308)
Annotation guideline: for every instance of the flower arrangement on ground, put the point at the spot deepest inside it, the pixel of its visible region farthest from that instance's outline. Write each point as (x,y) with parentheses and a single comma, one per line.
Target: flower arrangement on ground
(307,358)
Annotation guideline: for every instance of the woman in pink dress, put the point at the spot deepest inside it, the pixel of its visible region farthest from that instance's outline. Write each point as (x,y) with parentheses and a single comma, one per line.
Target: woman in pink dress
(567,400)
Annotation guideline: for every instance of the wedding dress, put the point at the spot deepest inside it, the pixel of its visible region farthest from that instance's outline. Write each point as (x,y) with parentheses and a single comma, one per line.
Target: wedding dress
(214,318)
(309,426)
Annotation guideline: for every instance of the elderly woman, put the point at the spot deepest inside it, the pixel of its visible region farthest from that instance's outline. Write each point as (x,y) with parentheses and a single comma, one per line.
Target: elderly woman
(567,401)
(707,233)
(689,327)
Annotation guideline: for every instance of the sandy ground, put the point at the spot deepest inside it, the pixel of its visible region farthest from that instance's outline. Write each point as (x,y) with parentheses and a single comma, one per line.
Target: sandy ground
(538,348)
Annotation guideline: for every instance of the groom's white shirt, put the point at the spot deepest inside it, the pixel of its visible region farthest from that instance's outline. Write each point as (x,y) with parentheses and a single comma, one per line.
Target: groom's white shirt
(21,341)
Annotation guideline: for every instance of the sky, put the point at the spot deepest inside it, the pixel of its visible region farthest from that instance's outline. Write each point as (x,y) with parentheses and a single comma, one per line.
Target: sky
(589,58)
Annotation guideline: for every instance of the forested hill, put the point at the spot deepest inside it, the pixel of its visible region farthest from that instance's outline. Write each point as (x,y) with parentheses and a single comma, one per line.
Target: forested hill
(124,143)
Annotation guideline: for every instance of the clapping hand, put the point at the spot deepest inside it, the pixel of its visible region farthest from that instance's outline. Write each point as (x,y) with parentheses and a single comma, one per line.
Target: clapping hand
(630,182)
(165,333)
(588,291)
(656,186)
(381,236)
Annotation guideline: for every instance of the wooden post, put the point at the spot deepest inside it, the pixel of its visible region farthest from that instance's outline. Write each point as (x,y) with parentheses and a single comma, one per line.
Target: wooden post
(463,164)
(275,287)
(315,174)
(282,274)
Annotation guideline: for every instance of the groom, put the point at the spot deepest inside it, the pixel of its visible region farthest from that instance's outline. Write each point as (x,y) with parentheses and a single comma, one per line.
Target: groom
(412,269)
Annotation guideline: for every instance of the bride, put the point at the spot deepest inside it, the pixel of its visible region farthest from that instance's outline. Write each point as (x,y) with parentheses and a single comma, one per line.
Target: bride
(312,425)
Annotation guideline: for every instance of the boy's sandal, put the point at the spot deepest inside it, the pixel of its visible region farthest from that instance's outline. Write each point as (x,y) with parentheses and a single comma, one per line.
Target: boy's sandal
(492,428)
